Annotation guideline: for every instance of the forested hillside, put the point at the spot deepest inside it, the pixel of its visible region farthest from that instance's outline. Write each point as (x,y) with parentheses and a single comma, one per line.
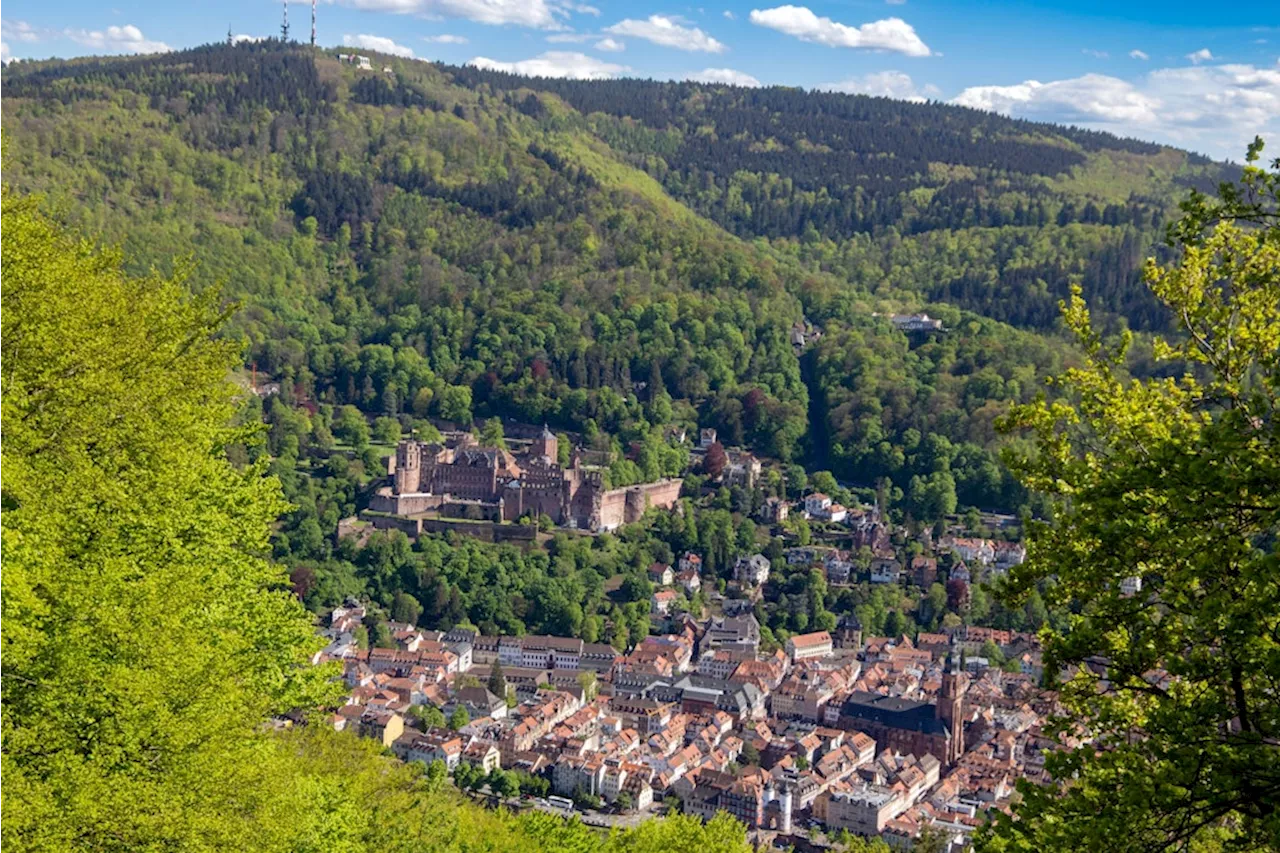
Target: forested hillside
(146,639)
(609,257)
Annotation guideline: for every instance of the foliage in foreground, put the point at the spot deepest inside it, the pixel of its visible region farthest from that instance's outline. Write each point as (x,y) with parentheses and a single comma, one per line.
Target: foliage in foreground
(146,637)
(1175,482)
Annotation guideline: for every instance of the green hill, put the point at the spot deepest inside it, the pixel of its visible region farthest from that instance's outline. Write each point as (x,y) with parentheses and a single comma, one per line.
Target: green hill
(611,255)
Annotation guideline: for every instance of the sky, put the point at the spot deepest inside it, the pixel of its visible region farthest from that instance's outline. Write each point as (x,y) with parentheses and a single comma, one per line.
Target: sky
(1202,76)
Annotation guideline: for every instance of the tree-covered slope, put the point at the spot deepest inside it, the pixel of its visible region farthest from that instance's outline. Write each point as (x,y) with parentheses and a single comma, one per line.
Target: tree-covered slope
(147,641)
(449,242)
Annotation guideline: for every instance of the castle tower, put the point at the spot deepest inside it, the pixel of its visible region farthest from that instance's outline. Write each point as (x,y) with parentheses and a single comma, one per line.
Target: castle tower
(949,709)
(408,468)
(546,444)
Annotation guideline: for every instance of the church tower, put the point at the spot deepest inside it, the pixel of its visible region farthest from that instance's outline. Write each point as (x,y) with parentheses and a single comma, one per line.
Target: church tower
(950,709)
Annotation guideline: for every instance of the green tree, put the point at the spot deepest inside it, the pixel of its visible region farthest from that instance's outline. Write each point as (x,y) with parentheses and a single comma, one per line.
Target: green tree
(491,434)
(1174,481)
(497,683)
(405,608)
(350,426)
(145,637)
(386,430)
(459,718)
(427,716)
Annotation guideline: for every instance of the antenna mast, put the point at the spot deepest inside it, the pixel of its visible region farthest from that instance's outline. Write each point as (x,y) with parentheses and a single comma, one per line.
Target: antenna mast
(313,23)
(230,38)
(284,27)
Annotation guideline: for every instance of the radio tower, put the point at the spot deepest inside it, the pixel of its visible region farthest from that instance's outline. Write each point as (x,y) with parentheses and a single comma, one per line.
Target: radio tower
(313,23)
(284,27)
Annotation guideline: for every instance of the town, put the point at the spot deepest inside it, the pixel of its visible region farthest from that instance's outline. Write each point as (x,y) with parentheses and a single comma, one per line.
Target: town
(833,732)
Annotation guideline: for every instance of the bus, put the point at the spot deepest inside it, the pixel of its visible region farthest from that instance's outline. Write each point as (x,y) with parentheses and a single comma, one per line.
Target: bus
(561,804)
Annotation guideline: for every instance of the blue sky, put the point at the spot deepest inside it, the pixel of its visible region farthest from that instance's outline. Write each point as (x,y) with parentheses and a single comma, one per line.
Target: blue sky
(1205,76)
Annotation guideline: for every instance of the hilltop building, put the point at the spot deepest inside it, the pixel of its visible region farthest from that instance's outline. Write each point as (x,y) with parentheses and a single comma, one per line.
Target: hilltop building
(429,476)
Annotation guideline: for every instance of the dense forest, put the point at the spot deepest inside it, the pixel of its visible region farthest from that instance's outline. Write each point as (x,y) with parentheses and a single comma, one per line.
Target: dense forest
(451,243)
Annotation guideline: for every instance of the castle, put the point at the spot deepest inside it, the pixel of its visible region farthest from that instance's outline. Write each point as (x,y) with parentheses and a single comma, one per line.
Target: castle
(429,476)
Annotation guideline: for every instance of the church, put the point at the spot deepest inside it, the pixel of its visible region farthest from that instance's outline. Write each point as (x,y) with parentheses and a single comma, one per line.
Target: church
(907,725)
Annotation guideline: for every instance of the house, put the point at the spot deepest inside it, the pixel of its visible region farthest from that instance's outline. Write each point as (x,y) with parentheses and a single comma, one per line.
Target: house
(662,602)
(820,507)
(816,503)
(690,562)
(477,702)
(743,469)
(806,646)
(383,726)
(432,745)
(706,438)
(916,323)
(866,811)
(482,754)
(752,571)
(885,570)
(838,566)
(741,633)
(690,581)
(924,571)
(661,574)
(774,510)
(970,550)
(1009,554)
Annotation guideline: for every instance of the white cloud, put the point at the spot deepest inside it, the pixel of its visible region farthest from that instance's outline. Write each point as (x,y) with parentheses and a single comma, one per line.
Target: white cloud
(1096,54)
(611,45)
(445,38)
(126,39)
(884,84)
(18,31)
(1139,54)
(896,2)
(1216,109)
(555,63)
(381,44)
(729,14)
(570,38)
(725,76)
(1201,55)
(539,14)
(668,32)
(584,9)
(242,38)
(892,34)
(5,57)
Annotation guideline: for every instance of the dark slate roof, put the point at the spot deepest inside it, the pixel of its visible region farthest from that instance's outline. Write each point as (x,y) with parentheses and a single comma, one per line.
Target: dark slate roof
(894,712)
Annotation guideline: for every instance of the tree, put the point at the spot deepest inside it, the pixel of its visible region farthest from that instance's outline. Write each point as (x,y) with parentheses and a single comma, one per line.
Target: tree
(503,783)
(459,718)
(750,755)
(491,434)
(351,427)
(427,716)
(455,404)
(1177,482)
(145,636)
(625,801)
(405,608)
(497,683)
(386,430)
(715,460)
